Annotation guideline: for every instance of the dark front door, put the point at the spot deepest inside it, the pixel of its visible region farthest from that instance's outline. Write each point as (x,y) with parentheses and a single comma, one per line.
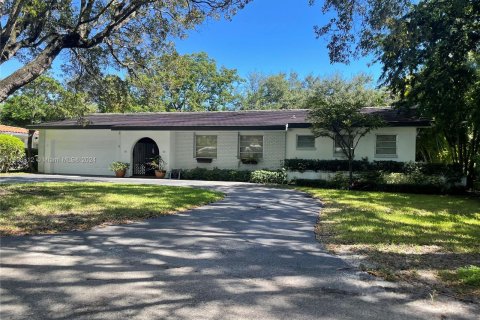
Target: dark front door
(144,151)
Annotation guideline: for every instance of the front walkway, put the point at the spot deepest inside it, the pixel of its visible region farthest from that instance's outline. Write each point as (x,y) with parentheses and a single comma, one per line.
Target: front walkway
(252,255)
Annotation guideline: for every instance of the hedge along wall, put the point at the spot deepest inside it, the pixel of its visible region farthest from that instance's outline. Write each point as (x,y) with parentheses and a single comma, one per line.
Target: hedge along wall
(363,165)
(313,175)
(325,169)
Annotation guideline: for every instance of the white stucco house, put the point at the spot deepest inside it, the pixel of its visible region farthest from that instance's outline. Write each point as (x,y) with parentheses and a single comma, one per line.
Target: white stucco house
(227,140)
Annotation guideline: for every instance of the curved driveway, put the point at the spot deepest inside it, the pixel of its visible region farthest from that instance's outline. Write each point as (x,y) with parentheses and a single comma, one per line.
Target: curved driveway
(252,255)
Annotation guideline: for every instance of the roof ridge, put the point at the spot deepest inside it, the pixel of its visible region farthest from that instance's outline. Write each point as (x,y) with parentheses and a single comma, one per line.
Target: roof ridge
(194,112)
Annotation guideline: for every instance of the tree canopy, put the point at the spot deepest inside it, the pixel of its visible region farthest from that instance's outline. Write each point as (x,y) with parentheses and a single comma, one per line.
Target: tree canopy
(431,58)
(94,34)
(170,82)
(45,99)
(277,91)
(191,82)
(335,112)
(356,25)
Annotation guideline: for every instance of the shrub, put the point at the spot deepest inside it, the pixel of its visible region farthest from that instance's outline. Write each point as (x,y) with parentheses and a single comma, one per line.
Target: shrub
(214,174)
(370,178)
(269,177)
(452,172)
(413,178)
(398,187)
(119,166)
(340,181)
(302,165)
(11,150)
(21,165)
(318,183)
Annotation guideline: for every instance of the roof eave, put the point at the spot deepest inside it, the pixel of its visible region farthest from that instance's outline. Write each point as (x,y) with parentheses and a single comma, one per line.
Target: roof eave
(413,123)
(160,128)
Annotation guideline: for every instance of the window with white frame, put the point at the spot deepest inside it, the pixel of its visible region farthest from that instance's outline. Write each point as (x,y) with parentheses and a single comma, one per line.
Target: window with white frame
(386,145)
(205,146)
(251,147)
(337,145)
(305,142)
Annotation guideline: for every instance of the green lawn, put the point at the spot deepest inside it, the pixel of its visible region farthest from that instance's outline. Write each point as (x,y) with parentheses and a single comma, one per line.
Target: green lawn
(406,236)
(53,207)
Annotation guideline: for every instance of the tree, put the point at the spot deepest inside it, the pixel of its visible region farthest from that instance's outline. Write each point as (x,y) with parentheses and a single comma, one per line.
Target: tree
(95,33)
(45,99)
(356,25)
(430,54)
(336,112)
(277,91)
(111,94)
(190,82)
(31,104)
(431,59)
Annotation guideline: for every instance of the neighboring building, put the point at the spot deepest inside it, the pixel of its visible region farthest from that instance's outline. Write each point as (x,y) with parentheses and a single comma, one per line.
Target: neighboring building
(229,140)
(21,133)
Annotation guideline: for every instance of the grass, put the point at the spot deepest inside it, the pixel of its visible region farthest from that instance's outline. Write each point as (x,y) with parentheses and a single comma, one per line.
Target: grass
(423,238)
(53,207)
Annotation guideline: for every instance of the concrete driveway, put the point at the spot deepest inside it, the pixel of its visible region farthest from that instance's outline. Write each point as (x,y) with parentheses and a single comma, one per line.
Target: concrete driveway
(252,255)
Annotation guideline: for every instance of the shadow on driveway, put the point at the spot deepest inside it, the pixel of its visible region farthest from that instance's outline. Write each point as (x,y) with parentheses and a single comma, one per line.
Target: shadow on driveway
(252,255)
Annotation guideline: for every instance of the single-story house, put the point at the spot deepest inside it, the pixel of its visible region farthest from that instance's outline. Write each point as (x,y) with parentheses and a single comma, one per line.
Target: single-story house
(20,133)
(226,140)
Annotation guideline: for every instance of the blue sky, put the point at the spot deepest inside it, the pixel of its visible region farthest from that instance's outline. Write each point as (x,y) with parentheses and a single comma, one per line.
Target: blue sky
(267,36)
(271,36)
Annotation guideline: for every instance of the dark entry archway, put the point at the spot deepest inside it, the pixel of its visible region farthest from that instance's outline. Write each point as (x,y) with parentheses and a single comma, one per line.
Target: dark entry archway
(143,152)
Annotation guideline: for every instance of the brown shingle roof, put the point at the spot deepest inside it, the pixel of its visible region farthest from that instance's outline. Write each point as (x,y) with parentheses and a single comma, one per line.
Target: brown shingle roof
(10,129)
(222,120)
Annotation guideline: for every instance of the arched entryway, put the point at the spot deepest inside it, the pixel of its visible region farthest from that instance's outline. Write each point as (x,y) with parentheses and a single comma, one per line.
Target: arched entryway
(143,152)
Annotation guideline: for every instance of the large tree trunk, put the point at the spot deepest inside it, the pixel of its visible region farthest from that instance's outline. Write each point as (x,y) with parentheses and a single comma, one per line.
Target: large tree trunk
(31,70)
(350,173)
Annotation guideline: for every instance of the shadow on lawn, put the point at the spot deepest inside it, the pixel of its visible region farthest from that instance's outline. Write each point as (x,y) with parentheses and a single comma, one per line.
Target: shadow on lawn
(374,218)
(53,207)
(251,255)
(405,233)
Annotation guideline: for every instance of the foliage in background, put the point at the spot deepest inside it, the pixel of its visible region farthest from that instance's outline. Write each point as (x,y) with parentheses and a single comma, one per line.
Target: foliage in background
(45,99)
(432,146)
(190,82)
(277,91)
(169,82)
(110,94)
(11,150)
(335,112)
